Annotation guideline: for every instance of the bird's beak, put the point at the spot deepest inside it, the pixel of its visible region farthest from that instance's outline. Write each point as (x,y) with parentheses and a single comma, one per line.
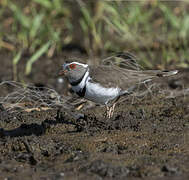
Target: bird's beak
(62,72)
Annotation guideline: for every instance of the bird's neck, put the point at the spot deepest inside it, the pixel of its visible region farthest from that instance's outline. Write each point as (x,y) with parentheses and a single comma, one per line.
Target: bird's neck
(80,84)
(78,81)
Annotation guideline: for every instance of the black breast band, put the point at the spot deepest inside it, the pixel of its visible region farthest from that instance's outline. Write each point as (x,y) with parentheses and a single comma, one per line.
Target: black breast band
(75,83)
(81,93)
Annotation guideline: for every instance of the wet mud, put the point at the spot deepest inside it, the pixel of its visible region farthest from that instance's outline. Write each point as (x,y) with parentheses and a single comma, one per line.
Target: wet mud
(147,137)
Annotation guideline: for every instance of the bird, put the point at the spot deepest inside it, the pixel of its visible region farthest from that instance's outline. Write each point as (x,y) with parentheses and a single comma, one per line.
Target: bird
(106,83)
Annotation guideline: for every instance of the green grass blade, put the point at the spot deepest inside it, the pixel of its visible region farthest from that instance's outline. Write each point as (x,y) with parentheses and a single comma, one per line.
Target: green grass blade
(17,58)
(19,15)
(44,3)
(37,21)
(36,56)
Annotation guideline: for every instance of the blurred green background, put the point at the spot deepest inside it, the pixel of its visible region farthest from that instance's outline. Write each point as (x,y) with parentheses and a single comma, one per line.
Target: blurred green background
(156,31)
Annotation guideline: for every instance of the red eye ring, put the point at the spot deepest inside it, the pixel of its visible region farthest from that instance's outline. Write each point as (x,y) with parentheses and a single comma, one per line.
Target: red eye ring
(72,66)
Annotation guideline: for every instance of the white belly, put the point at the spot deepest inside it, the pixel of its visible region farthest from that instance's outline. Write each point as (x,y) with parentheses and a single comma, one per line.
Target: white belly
(95,92)
(100,94)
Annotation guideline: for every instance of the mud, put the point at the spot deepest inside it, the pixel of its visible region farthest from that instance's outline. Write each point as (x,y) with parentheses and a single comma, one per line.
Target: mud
(147,137)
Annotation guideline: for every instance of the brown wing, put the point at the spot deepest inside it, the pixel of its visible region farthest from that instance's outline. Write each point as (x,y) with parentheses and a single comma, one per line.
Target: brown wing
(110,76)
(110,73)
(114,76)
(122,70)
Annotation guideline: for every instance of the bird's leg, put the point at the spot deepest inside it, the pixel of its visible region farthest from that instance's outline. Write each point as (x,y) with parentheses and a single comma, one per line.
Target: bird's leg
(110,111)
(107,110)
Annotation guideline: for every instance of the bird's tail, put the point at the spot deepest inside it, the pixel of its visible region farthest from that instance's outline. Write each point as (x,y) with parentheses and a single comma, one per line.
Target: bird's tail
(166,73)
(149,76)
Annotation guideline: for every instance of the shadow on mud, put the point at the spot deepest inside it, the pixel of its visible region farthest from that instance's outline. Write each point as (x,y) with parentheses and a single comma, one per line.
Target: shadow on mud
(35,128)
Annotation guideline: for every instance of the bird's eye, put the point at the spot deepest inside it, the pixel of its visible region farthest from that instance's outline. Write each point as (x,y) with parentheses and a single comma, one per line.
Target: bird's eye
(72,66)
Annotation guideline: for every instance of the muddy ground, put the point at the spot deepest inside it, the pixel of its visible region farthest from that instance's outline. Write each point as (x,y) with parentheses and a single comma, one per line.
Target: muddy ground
(147,137)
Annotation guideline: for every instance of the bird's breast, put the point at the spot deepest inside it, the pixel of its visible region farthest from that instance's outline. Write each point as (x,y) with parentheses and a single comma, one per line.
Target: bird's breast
(94,91)
(99,94)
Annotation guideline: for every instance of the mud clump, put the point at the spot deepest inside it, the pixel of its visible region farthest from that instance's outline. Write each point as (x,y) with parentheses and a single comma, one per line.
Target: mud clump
(106,170)
(146,138)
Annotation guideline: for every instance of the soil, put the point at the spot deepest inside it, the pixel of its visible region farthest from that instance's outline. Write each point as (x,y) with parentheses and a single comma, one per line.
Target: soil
(146,138)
